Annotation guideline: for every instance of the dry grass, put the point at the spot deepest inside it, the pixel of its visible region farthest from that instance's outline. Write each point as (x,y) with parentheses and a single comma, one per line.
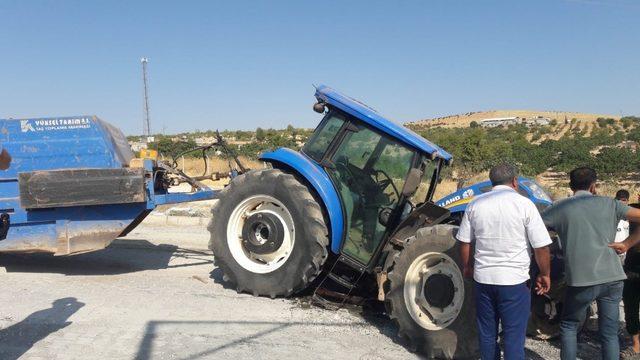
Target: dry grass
(558,185)
(196,167)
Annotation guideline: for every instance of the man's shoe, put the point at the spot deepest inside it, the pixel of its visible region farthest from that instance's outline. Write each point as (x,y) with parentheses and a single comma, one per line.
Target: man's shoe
(629,354)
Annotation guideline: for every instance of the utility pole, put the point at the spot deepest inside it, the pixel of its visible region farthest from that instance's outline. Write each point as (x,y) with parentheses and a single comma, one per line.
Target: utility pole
(146,123)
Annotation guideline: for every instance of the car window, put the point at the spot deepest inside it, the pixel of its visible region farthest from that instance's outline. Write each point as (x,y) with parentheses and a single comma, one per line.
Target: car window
(538,191)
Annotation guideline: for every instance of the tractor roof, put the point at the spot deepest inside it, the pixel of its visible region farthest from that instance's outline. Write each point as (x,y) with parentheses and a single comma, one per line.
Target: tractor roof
(371,117)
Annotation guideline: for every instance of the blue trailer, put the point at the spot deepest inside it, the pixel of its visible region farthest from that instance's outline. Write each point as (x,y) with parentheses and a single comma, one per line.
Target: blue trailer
(74,185)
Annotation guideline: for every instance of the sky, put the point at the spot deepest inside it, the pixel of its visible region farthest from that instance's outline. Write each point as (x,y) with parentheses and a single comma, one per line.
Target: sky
(246,64)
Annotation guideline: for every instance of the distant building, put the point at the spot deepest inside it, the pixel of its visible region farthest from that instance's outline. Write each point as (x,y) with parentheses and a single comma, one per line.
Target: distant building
(181,138)
(514,120)
(537,121)
(495,122)
(137,145)
(205,140)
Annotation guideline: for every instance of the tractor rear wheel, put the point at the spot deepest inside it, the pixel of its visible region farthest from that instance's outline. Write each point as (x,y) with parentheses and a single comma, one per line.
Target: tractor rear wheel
(428,298)
(268,234)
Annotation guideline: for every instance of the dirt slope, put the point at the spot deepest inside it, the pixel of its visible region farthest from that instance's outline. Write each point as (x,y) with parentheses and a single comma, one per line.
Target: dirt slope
(463,120)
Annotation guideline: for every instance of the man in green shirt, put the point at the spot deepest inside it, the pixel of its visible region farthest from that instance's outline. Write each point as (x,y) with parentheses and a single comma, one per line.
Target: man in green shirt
(587,224)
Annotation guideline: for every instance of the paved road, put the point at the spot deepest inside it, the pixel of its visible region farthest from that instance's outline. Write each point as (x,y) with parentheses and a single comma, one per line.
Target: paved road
(151,296)
(156,295)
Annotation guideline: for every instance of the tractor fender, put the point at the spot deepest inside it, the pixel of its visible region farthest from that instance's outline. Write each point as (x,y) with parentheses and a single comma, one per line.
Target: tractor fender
(315,175)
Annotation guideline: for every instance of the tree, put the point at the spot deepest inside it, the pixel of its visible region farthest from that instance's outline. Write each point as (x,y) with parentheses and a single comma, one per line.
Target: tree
(614,161)
(260,134)
(474,124)
(169,148)
(627,121)
(634,135)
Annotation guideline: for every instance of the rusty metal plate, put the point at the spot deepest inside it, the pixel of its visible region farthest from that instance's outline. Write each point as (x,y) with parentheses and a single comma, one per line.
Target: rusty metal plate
(78,187)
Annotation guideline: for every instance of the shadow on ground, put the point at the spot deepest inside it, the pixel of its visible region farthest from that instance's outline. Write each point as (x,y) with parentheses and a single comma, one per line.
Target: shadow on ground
(122,256)
(217,275)
(18,338)
(372,311)
(149,346)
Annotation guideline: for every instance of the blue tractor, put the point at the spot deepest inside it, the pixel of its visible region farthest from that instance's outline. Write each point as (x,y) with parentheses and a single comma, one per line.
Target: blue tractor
(353,208)
(457,201)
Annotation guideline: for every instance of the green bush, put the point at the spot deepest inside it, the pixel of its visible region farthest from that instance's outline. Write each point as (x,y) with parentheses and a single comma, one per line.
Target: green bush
(477,149)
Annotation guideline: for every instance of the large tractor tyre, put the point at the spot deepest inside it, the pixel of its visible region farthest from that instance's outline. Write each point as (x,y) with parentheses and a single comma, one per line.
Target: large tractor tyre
(268,234)
(429,299)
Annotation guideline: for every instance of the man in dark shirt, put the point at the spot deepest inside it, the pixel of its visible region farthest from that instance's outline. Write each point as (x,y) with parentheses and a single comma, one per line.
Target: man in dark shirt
(586,225)
(631,293)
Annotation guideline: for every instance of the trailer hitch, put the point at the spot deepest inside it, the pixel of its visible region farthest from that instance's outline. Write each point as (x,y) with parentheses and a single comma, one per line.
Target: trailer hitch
(220,145)
(167,173)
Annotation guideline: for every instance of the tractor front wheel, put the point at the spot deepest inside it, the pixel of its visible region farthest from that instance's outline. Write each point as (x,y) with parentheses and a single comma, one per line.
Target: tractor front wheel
(268,234)
(428,298)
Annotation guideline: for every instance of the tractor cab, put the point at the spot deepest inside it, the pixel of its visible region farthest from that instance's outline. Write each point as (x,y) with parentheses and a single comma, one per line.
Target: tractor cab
(380,170)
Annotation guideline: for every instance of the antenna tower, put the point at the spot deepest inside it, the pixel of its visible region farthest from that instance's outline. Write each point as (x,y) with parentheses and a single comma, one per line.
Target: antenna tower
(146,122)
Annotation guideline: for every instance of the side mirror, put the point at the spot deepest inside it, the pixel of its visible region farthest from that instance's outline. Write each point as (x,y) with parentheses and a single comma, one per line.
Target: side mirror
(412,182)
(319,107)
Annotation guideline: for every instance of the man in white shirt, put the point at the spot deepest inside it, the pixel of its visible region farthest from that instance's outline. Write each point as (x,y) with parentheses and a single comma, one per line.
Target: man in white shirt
(622,232)
(502,226)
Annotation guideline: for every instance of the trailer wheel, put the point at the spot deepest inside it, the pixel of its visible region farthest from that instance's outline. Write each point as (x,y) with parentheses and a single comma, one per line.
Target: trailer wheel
(268,234)
(428,298)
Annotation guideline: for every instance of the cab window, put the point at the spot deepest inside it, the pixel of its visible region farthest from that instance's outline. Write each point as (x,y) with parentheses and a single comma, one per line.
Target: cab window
(319,142)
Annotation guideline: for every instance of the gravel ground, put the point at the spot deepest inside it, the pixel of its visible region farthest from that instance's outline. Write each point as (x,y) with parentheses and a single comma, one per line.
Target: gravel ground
(156,295)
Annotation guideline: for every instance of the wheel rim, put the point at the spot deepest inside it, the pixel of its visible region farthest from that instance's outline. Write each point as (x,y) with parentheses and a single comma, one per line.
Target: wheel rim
(260,234)
(434,290)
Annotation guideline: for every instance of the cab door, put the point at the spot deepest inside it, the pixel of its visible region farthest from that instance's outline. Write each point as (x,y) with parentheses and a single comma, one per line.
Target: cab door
(368,170)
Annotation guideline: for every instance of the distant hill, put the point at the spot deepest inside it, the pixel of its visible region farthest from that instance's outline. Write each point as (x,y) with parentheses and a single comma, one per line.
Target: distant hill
(561,122)
(464,120)
(545,144)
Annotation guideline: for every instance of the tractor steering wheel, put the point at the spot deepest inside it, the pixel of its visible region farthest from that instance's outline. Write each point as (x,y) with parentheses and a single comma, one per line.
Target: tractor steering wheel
(384,183)
(342,166)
